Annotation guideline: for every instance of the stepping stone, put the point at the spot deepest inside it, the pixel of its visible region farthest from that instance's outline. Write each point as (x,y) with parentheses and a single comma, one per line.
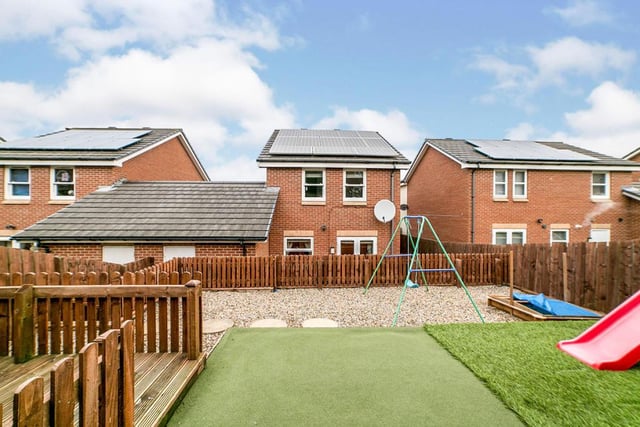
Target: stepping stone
(319,323)
(269,323)
(213,326)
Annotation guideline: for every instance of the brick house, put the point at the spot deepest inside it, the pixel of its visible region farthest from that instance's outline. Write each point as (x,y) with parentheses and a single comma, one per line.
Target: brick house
(133,220)
(40,175)
(330,182)
(484,191)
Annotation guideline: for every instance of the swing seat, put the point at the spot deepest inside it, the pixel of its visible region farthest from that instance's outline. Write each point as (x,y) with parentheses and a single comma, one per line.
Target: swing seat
(410,284)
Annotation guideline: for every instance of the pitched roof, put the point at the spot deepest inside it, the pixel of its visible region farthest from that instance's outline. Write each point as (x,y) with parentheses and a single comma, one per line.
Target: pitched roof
(92,144)
(161,212)
(526,154)
(289,146)
(632,191)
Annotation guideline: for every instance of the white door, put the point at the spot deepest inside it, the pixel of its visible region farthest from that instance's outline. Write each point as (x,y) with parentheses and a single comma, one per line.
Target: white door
(600,235)
(179,252)
(118,254)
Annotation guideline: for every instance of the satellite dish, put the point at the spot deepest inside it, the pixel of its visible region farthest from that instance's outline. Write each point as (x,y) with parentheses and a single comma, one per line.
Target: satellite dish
(384,210)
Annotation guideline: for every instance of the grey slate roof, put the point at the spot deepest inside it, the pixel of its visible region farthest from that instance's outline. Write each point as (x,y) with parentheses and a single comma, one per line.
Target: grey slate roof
(632,191)
(39,147)
(329,146)
(162,212)
(466,152)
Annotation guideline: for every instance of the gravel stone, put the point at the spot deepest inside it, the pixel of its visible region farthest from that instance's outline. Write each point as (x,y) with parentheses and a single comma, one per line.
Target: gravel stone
(351,307)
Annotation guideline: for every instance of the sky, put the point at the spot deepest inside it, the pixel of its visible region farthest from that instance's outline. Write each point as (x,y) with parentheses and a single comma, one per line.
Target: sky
(229,72)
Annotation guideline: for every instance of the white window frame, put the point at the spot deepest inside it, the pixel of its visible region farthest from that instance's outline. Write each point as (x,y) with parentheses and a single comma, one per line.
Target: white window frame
(605,185)
(363,185)
(565,230)
(178,251)
(8,187)
(55,183)
(324,186)
(497,183)
(509,232)
(356,243)
(298,251)
(517,184)
(119,254)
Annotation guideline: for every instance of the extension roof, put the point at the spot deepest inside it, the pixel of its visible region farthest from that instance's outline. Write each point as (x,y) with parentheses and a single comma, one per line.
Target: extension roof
(327,148)
(95,146)
(550,155)
(135,212)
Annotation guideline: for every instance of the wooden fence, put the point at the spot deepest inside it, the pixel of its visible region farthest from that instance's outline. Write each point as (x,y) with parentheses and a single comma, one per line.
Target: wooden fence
(598,276)
(24,261)
(278,272)
(105,386)
(37,320)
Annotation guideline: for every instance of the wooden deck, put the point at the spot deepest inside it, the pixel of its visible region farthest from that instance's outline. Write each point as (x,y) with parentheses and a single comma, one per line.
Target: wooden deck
(161,379)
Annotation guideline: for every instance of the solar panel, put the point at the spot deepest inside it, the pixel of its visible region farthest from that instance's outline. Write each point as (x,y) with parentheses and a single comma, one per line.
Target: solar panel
(331,142)
(79,139)
(526,150)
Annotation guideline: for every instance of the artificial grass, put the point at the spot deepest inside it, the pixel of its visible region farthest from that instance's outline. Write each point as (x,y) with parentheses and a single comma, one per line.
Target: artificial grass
(520,363)
(342,377)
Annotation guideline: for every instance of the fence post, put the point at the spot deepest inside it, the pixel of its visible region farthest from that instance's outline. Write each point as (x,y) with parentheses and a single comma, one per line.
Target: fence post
(109,384)
(63,397)
(28,403)
(23,334)
(127,375)
(192,317)
(88,385)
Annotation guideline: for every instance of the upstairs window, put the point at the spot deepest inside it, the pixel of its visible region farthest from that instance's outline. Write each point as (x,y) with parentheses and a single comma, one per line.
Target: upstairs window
(354,185)
(600,185)
(63,183)
(313,185)
(18,183)
(500,183)
(519,184)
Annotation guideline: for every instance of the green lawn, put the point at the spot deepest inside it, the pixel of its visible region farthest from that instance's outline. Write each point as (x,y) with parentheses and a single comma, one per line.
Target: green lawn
(545,386)
(337,377)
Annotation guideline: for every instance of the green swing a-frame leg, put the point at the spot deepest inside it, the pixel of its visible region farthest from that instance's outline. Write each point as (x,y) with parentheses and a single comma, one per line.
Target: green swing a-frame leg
(413,245)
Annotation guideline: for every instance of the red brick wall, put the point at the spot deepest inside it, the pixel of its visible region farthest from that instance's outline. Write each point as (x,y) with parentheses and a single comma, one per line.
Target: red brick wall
(440,189)
(93,251)
(292,214)
(167,162)
(224,250)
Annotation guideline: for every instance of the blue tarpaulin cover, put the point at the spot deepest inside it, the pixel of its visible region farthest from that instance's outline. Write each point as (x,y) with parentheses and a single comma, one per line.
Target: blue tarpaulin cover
(552,306)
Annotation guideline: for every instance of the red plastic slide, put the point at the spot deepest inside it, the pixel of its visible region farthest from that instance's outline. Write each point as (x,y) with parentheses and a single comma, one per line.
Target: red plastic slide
(613,343)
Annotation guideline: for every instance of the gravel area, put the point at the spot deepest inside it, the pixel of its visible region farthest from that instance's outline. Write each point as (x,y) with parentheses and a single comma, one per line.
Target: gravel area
(350,307)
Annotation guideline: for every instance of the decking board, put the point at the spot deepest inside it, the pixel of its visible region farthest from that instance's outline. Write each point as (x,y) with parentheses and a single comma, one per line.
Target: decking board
(160,381)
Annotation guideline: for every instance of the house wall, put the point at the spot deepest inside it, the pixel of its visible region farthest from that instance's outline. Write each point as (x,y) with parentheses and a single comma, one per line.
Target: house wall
(324,222)
(167,162)
(94,251)
(440,189)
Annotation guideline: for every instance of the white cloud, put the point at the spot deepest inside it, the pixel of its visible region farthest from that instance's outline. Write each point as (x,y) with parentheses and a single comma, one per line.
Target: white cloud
(611,125)
(394,126)
(552,65)
(239,168)
(26,19)
(582,12)
(521,132)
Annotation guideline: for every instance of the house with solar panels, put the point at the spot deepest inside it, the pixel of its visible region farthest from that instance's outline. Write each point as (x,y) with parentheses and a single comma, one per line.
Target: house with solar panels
(330,182)
(515,192)
(43,174)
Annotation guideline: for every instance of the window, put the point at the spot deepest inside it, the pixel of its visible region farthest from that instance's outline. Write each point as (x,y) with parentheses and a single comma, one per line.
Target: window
(600,235)
(354,185)
(18,183)
(170,252)
(313,185)
(600,185)
(298,246)
(519,184)
(62,183)
(559,236)
(509,237)
(499,183)
(357,245)
(118,254)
